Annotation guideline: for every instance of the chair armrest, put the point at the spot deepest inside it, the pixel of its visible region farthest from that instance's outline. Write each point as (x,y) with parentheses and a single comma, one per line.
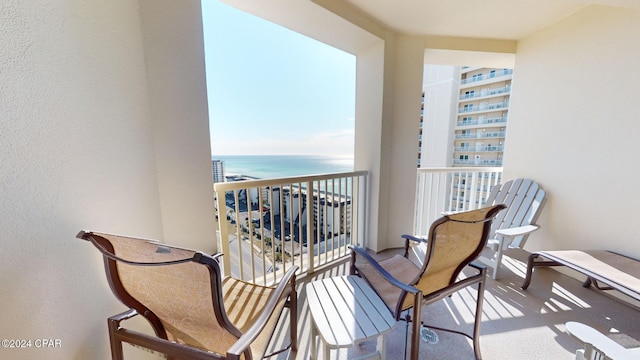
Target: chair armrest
(285,288)
(517,231)
(356,251)
(478,266)
(413,238)
(407,238)
(124,316)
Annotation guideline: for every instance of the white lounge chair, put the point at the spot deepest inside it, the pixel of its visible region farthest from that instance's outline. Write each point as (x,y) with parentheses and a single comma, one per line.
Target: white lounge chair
(524,199)
(597,346)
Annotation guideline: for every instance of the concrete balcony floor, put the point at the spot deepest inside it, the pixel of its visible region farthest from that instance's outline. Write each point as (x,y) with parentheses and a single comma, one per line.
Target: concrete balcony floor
(516,324)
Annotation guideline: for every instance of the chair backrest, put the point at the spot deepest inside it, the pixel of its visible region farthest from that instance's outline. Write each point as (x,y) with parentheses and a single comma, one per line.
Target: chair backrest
(524,199)
(454,241)
(175,291)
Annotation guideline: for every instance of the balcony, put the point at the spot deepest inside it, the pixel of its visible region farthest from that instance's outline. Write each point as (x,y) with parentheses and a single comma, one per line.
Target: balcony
(109,131)
(478,162)
(270,225)
(480,135)
(485,93)
(486,77)
(483,107)
(515,323)
(486,148)
(482,121)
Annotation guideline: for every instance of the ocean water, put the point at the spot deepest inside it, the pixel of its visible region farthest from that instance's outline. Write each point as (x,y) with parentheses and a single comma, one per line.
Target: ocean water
(277,166)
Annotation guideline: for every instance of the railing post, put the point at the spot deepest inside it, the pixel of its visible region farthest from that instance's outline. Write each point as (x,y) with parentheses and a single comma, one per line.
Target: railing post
(362,205)
(222,219)
(224,231)
(310,227)
(474,190)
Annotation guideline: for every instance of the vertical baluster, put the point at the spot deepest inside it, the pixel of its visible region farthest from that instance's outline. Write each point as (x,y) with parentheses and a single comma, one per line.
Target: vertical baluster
(311,228)
(336,231)
(303,205)
(261,233)
(272,225)
(236,198)
(224,231)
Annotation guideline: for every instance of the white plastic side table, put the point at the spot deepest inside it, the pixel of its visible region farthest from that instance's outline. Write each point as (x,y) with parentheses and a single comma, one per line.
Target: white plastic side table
(346,311)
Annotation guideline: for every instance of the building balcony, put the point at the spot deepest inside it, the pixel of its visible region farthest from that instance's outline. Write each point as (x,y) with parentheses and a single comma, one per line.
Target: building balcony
(477,162)
(485,93)
(480,135)
(475,149)
(511,317)
(483,107)
(479,79)
(483,121)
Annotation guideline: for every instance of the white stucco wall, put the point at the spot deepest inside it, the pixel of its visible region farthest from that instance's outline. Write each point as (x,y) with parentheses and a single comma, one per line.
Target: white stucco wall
(368,130)
(401,137)
(573,126)
(388,95)
(441,95)
(174,55)
(78,145)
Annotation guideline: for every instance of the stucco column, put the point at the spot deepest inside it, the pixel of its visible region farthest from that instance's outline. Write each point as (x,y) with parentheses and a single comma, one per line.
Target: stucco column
(388,101)
(174,56)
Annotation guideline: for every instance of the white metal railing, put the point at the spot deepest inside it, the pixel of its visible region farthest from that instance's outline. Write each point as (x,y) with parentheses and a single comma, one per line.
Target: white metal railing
(485,148)
(492,120)
(440,190)
(480,135)
(484,93)
(478,162)
(481,77)
(268,225)
(483,107)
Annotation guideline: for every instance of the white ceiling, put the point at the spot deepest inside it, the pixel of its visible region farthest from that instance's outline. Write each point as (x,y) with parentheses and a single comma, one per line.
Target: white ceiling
(352,25)
(488,19)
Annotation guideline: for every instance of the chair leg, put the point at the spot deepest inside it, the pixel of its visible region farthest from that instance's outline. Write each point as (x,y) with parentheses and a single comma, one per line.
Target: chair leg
(293,318)
(417,324)
(478,319)
(116,344)
(498,263)
(407,318)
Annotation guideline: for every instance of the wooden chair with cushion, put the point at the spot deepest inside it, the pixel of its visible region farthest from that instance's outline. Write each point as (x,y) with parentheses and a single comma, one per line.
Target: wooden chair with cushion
(195,311)
(405,283)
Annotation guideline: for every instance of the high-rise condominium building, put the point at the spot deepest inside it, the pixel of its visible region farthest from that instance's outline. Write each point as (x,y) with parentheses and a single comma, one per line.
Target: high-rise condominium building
(218,170)
(465,111)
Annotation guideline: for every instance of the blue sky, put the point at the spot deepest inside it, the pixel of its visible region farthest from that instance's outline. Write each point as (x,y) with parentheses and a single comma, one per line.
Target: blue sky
(273,91)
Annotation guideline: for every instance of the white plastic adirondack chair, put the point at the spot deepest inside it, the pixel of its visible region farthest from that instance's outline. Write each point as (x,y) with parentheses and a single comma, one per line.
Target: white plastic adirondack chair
(598,346)
(511,228)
